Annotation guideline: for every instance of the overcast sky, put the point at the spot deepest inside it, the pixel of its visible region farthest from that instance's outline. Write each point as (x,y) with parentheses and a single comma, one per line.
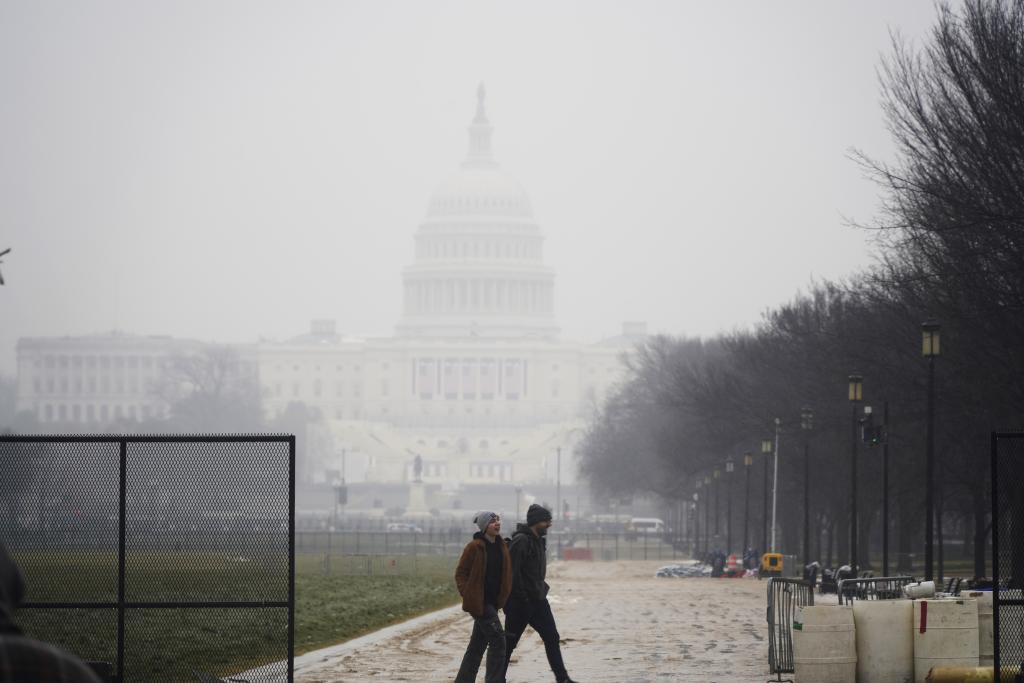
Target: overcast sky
(230,170)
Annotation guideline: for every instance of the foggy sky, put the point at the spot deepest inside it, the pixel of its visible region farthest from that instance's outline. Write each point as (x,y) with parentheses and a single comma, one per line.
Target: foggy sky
(230,170)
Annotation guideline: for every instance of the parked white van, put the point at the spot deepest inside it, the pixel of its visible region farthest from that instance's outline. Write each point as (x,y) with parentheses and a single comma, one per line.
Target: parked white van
(647,525)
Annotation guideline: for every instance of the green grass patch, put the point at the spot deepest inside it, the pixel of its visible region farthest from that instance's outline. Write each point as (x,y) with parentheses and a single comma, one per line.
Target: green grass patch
(337,599)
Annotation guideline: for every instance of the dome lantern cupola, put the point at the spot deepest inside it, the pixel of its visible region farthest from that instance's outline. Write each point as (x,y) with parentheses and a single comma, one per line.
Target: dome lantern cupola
(480,154)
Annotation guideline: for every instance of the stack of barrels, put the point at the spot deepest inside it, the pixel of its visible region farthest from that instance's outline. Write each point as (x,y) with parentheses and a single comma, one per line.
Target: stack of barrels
(895,641)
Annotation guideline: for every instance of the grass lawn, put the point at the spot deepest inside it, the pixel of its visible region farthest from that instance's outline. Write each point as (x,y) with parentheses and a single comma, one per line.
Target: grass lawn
(334,603)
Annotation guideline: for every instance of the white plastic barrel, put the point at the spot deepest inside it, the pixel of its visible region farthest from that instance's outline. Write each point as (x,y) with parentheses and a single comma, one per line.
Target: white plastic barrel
(824,644)
(945,634)
(985,651)
(885,642)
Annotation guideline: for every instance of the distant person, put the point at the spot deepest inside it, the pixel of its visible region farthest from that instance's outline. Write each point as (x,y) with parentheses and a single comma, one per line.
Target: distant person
(484,579)
(528,604)
(24,659)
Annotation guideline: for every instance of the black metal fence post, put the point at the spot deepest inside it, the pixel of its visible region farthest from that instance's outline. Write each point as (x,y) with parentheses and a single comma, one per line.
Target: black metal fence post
(121,532)
(291,558)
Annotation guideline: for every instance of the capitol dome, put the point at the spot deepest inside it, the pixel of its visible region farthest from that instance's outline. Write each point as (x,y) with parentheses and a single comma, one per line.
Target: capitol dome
(480,190)
(479,267)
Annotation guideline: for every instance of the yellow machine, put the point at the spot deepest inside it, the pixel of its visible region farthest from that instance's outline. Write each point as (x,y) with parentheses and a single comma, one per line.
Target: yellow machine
(771,564)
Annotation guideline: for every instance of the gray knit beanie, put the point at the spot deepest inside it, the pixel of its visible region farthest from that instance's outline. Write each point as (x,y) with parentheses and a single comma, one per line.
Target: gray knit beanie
(484,518)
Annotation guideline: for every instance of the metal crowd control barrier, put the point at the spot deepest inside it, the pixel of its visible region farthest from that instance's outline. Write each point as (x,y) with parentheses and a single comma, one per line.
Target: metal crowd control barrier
(159,554)
(874,588)
(784,596)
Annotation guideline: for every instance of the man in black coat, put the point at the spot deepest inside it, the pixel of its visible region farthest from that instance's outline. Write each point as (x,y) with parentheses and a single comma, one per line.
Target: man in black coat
(528,605)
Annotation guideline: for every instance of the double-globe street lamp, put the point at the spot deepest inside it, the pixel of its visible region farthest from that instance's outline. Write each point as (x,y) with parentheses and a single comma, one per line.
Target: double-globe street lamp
(698,497)
(716,474)
(806,425)
(930,350)
(695,539)
(766,451)
(729,467)
(856,395)
(707,513)
(775,480)
(748,460)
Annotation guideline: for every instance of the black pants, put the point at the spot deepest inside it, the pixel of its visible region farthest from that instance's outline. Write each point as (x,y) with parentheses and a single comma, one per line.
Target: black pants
(487,635)
(537,614)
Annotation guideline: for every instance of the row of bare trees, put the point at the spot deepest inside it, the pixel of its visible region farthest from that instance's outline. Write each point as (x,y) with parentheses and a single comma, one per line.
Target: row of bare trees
(950,248)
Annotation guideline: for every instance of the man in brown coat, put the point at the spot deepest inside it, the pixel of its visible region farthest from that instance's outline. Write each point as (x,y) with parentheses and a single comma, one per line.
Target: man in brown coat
(484,579)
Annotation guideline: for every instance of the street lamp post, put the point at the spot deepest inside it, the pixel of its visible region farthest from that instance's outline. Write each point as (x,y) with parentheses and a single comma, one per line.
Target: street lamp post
(930,350)
(558,481)
(696,518)
(748,460)
(707,513)
(807,424)
(885,488)
(558,493)
(775,480)
(695,515)
(729,467)
(855,394)
(766,451)
(715,475)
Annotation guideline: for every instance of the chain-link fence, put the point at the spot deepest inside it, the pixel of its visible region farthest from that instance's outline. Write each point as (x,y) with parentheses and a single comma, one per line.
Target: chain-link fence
(163,555)
(1008,550)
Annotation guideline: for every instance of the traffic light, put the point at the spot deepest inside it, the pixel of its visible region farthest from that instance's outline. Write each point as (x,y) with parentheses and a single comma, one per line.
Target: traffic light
(873,435)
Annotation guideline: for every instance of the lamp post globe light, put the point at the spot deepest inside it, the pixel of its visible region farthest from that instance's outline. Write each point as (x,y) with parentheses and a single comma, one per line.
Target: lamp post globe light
(766,451)
(856,395)
(729,467)
(930,350)
(806,425)
(748,460)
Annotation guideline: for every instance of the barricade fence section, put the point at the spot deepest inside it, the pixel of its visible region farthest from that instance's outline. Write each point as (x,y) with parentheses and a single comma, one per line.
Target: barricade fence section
(1008,551)
(162,555)
(784,597)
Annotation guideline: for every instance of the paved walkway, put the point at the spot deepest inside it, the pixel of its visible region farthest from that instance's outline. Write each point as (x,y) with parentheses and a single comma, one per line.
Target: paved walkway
(618,622)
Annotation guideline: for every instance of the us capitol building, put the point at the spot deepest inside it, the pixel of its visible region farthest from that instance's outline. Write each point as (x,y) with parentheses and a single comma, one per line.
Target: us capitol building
(476,381)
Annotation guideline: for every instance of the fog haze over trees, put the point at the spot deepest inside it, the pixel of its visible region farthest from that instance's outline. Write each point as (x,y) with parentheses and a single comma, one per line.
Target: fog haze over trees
(950,236)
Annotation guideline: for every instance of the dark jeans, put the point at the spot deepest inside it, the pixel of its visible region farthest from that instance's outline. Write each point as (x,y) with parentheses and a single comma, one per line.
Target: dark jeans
(537,614)
(487,634)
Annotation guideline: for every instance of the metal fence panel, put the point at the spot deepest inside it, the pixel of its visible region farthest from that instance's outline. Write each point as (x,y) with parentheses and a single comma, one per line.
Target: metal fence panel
(784,596)
(1008,551)
(162,554)
(875,588)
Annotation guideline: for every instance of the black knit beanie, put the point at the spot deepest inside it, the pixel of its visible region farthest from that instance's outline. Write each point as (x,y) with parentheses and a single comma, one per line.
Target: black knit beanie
(537,513)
